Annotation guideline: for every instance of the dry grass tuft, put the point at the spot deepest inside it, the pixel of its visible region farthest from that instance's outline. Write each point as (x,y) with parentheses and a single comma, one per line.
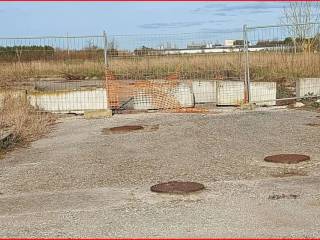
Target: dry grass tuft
(26,122)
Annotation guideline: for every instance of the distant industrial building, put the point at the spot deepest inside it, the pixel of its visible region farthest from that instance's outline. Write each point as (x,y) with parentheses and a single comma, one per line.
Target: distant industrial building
(229,43)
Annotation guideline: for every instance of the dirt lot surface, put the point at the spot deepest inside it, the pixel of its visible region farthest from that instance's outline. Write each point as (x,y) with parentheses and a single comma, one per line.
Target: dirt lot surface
(80,182)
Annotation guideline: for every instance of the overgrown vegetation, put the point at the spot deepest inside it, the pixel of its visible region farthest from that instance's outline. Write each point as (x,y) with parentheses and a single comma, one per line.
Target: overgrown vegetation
(311,104)
(26,122)
(25,53)
(264,66)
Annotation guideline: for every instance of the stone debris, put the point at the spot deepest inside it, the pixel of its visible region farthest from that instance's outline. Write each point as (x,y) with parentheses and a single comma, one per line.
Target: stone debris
(298,104)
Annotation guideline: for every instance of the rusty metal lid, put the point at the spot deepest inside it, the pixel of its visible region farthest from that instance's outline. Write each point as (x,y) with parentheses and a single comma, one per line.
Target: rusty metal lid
(287,158)
(177,187)
(123,129)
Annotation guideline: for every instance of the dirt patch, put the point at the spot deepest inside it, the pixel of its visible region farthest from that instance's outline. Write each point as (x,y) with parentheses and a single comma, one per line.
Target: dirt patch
(283,196)
(177,187)
(287,158)
(130,128)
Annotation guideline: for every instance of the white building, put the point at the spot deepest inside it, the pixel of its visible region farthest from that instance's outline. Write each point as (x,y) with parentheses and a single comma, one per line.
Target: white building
(228,43)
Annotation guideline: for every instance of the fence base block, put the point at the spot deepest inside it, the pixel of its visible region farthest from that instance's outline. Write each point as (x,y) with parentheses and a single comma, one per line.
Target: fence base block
(98,114)
(247,106)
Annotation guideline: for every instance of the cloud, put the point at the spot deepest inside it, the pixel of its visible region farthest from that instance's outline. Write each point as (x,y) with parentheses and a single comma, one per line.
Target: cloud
(222,30)
(260,11)
(171,25)
(219,21)
(180,24)
(225,9)
(246,7)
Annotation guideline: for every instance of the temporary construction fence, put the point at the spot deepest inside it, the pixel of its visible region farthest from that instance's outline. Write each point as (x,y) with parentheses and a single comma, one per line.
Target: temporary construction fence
(264,65)
(64,57)
(59,73)
(173,71)
(288,55)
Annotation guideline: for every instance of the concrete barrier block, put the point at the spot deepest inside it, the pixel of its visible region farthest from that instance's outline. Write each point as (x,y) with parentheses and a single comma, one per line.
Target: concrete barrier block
(307,86)
(143,101)
(149,100)
(204,91)
(262,92)
(230,92)
(70,100)
(183,93)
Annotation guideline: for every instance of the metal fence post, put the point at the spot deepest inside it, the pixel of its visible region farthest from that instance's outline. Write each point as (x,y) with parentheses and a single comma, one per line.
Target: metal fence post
(105,49)
(246,65)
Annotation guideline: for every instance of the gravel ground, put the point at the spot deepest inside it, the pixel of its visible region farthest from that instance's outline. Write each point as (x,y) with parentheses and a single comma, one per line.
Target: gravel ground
(81,182)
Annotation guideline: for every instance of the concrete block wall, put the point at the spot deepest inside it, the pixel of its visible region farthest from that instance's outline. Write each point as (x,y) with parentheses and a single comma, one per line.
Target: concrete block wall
(307,86)
(223,93)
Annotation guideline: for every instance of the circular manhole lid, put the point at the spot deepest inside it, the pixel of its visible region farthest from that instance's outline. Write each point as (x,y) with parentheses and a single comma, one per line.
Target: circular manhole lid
(126,128)
(313,124)
(287,158)
(177,187)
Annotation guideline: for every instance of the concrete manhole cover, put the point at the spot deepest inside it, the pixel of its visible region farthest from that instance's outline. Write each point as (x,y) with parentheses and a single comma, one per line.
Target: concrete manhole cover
(177,187)
(123,129)
(313,124)
(287,158)
(126,128)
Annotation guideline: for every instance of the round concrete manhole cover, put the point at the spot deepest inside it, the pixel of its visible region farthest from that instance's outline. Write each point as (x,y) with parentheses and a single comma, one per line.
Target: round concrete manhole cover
(287,158)
(177,187)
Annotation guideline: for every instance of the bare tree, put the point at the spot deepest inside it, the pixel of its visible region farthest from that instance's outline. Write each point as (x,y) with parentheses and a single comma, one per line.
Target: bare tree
(302,19)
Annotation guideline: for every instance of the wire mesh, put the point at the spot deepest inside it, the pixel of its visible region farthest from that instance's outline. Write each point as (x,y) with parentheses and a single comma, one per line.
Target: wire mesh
(61,73)
(171,71)
(38,57)
(164,71)
(288,55)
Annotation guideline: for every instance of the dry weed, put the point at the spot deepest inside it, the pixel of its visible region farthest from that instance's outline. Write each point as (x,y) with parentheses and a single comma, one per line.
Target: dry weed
(26,122)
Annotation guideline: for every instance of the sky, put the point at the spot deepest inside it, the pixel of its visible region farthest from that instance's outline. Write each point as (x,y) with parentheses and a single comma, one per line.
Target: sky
(84,18)
(218,21)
